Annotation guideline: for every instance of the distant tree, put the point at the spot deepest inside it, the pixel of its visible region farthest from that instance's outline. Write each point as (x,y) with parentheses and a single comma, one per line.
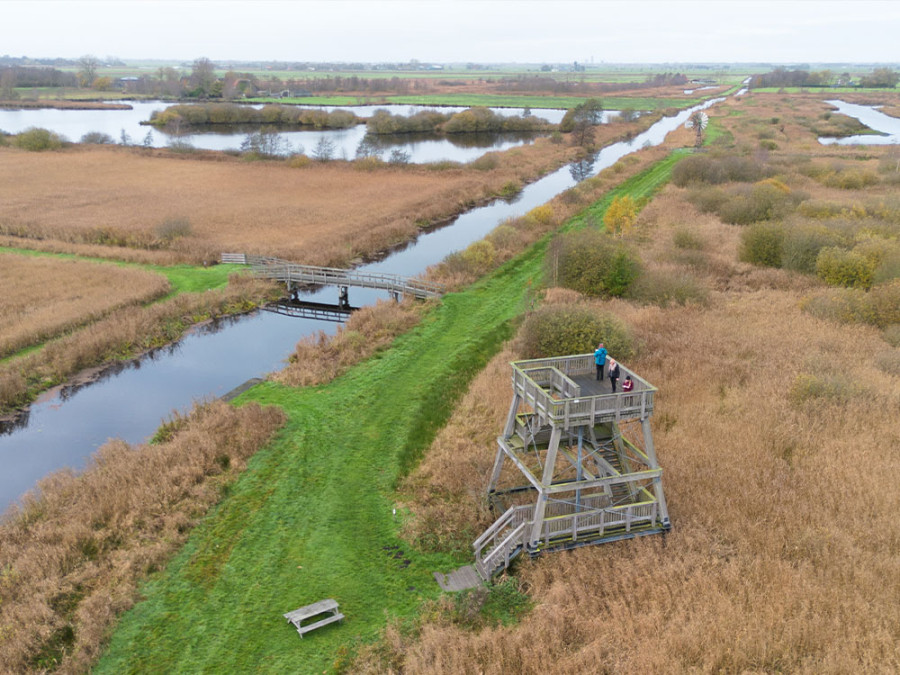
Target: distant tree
(580,121)
(102,83)
(881,77)
(8,85)
(203,78)
(124,138)
(324,149)
(87,70)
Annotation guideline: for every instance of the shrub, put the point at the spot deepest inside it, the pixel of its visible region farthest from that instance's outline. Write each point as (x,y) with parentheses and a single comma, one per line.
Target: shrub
(37,140)
(762,244)
(621,215)
(802,244)
(97,138)
(713,170)
(878,307)
(542,214)
(299,161)
(475,260)
(668,287)
(888,362)
(850,179)
(767,144)
(485,162)
(558,330)
(592,263)
(684,239)
(173,228)
(834,387)
(765,200)
(839,267)
(892,334)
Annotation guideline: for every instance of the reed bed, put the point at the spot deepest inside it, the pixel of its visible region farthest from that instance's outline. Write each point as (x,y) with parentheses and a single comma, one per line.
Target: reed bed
(324,213)
(72,555)
(774,428)
(45,297)
(783,550)
(124,333)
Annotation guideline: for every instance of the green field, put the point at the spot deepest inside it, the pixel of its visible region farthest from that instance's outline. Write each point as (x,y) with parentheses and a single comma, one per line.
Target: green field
(312,517)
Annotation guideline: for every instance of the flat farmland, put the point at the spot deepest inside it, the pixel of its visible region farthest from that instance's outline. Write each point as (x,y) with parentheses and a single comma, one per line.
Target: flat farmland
(44,297)
(193,208)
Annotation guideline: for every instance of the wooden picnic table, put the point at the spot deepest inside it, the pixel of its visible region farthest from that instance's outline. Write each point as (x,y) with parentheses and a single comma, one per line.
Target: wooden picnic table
(327,606)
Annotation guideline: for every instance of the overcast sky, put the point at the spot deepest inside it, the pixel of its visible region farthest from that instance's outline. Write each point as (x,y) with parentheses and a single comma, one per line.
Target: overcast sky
(446,31)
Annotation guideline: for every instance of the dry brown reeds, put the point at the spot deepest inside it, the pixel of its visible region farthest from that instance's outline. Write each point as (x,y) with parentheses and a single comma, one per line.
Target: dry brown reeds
(325,213)
(774,430)
(320,357)
(124,333)
(72,555)
(44,297)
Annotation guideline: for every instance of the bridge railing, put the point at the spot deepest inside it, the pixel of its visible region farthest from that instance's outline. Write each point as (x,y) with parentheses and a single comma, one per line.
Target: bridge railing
(273,268)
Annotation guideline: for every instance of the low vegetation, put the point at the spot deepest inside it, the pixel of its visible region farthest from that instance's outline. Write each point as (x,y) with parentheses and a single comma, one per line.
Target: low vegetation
(72,555)
(123,334)
(117,201)
(45,297)
(205,114)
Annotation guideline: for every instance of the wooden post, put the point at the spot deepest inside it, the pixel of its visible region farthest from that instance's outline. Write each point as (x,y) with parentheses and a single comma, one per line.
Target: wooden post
(654,464)
(546,479)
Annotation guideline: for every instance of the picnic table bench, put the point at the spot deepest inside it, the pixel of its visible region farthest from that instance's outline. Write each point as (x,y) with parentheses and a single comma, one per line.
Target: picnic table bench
(328,607)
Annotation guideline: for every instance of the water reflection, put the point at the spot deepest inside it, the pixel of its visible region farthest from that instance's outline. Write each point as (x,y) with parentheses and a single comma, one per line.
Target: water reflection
(216,357)
(872,118)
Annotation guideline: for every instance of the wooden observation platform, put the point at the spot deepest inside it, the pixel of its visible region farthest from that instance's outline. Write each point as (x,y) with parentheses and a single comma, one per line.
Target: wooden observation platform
(587,457)
(296,276)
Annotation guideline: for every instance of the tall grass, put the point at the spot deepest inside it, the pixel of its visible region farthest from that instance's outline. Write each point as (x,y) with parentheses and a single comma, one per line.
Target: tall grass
(123,334)
(72,555)
(791,567)
(45,297)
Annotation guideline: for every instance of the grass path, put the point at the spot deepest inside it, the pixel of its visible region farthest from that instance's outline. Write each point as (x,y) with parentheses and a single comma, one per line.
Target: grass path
(312,517)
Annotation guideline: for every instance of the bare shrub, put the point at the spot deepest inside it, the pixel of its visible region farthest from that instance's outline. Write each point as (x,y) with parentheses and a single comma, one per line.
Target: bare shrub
(173,228)
(72,555)
(685,239)
(878,307)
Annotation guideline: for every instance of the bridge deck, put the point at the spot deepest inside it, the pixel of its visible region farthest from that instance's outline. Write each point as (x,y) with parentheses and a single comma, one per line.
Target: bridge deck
(295,275)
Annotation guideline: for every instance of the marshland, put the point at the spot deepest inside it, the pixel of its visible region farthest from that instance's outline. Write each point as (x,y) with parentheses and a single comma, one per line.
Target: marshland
(754,280)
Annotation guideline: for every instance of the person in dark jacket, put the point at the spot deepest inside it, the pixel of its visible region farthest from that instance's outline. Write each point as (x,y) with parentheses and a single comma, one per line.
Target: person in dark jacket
(600,360)
(613,373)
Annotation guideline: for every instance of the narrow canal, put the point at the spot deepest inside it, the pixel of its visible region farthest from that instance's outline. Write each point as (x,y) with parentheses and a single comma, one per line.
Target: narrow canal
(131,399)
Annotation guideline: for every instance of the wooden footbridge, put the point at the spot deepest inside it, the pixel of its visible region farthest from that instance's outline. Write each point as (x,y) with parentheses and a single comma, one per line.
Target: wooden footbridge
(587,456)
(296,277)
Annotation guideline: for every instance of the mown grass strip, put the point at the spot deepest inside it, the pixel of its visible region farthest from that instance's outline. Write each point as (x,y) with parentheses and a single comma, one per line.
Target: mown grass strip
(312,517)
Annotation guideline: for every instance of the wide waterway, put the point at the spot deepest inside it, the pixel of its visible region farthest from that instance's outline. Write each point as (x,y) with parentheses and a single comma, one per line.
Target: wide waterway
(872,118)
(73,124)
(131,399)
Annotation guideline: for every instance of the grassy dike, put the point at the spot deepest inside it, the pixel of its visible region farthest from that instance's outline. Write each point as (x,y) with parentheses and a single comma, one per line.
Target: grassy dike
(312,517)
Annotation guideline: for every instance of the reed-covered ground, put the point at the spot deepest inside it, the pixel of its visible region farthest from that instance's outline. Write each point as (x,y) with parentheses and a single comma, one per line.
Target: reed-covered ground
(43,297)
(776,427)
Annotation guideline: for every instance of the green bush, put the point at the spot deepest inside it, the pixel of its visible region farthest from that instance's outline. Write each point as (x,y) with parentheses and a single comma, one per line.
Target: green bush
(839,267)
(559,330)
(851,179)
(762,244)
(592,263)
(802,244)
(35,139)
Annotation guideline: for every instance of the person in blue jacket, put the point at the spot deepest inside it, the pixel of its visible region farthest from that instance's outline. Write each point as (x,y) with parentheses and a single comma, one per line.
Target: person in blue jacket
(600,360)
